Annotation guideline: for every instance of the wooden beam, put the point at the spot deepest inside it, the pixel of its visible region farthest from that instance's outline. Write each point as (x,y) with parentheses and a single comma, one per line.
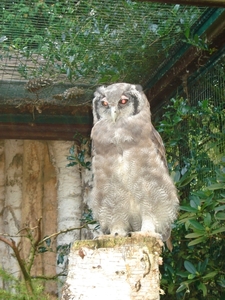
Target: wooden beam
(44,121)
(33,131)
(208,3)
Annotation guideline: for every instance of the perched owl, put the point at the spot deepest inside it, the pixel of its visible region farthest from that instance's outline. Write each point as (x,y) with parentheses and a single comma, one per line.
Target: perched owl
(132,189)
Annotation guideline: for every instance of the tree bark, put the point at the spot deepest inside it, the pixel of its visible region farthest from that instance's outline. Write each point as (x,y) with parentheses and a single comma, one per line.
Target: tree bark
(33,164)
(49,220)
(13,152)
(2,203)
(114,268)
(69,195)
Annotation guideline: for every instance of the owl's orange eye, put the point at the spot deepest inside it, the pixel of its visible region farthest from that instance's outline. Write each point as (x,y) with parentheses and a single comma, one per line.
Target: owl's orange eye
(123,101)
(105,103)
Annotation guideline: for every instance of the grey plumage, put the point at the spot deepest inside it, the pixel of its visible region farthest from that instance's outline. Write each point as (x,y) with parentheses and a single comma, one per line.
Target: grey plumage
(132,189)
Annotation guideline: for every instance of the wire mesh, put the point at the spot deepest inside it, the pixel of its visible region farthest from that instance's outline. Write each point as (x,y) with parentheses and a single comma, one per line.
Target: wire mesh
(203,127)
(88,42)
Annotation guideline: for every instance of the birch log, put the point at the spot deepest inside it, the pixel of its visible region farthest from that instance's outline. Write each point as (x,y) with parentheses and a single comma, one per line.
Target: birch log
(13,199)
(2,203)
(33,165)
(49,220)
(114,269)
(69,194)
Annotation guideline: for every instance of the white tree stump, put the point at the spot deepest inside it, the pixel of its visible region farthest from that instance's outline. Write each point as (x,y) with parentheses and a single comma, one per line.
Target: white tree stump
(114,269)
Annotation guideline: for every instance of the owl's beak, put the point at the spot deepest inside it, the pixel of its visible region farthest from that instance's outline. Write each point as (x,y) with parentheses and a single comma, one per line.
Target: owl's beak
(113,113)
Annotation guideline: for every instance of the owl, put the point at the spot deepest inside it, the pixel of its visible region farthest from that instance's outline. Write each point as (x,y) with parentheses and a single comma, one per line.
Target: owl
(132,189)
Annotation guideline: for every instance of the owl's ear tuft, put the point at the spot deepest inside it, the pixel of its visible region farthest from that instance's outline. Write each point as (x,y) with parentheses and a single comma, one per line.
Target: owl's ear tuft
(138,87)
(99,91)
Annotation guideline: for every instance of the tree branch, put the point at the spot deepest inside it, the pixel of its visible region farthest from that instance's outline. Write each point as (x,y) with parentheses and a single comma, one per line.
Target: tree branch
(21,263)
(60,232)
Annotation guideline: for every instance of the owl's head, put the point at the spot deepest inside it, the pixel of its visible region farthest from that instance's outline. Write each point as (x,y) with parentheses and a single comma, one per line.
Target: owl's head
(117,101)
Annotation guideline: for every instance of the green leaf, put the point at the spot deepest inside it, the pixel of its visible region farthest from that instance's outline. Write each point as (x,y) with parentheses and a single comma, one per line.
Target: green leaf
(186,179)
(222,229)
(188,208)
(196,38)
(220,216)
(175,176)
(197,241)
(203,265)
(203,288)
(215,225)
(195,201)
(183,286)
(42,249)
(182,274)
(187,33)
(221,207)
(196,225)
(216,186)
(221,200)
(194,235)
(72,164)
(191,276)
(48,242)
(71,150)
(176,7)
(221,282)
(207,219)
(171,287)
(210,275)
(190,267)
(71,157)
(60,259)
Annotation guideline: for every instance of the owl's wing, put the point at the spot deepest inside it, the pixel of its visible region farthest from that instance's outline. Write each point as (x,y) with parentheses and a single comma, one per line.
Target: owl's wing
(92,150)
(157,140)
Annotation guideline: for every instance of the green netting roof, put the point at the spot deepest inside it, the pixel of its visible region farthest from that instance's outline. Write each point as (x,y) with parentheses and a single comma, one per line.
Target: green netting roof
(89,42)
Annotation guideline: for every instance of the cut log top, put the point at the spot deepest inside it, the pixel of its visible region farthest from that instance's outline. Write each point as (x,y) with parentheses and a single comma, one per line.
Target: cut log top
(107,241)
(116,268)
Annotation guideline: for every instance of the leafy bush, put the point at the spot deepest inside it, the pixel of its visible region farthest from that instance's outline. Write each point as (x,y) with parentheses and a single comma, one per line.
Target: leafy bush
(196,267)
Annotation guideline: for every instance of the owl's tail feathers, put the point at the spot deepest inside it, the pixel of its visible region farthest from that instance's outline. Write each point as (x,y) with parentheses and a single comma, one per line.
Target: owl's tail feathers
(169,244)
(167,238)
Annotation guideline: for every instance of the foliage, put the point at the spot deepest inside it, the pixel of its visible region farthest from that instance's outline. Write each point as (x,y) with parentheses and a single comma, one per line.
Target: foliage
(195,40)
(62,251)
(80,157)
(31,288)
(74,37)
(16,289)
(87,218)
(193,139)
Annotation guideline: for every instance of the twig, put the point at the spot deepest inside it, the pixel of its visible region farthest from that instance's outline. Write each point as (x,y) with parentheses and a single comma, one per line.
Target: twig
(60,232)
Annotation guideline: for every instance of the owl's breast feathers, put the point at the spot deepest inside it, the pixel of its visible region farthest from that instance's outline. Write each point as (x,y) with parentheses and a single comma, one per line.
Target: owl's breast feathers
(136,131)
